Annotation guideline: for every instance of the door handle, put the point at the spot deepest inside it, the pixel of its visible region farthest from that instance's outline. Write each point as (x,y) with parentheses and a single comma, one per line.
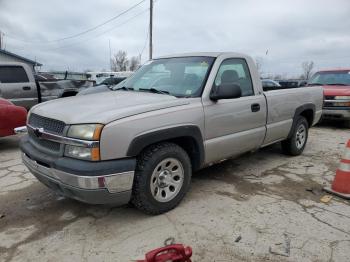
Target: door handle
(26,88)
(255,107)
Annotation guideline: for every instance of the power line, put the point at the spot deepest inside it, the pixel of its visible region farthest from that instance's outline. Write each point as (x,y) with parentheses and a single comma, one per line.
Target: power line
(85,31)
(104,32)
(144,46)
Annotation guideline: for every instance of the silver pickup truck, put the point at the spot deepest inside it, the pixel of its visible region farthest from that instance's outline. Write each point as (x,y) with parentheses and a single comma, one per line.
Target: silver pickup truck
(176,114)
(18,85)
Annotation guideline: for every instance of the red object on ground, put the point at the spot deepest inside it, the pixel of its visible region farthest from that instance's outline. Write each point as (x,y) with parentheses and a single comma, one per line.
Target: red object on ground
(11,116)
(341,182)
(175,253)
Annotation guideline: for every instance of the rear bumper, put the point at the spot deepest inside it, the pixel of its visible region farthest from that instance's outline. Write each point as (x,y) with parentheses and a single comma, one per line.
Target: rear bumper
(336,113)
(105,182)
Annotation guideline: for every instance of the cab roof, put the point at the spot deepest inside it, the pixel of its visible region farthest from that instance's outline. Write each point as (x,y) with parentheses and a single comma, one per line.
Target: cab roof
(335,70)
(207,54)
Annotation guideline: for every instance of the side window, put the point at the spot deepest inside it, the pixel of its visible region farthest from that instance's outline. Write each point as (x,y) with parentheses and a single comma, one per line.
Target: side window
(235,71)
(13,74)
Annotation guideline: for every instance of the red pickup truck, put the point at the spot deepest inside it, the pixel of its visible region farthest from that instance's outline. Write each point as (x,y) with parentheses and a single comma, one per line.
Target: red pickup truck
(336,90)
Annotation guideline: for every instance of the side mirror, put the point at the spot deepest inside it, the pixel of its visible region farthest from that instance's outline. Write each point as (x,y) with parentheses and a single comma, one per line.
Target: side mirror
(226,91)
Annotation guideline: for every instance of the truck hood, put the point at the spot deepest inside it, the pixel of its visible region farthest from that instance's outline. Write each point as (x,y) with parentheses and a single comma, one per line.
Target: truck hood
(105,107)
(336,90)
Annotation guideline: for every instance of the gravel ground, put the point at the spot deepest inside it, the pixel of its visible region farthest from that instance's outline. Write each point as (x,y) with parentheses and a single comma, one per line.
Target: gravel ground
(261,206)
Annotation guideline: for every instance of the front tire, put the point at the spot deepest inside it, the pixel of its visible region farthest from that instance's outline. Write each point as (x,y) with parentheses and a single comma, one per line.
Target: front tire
(295,145)
(162,178)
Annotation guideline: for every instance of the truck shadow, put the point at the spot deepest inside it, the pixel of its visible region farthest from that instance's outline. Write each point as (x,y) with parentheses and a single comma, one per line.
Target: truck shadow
(9,143)
(332,124)
(38,206)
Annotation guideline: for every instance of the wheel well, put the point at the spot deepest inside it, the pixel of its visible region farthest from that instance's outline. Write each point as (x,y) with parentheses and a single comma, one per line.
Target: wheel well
(191,147)
(309,115)
(69,93)
(187,137)
(188,144)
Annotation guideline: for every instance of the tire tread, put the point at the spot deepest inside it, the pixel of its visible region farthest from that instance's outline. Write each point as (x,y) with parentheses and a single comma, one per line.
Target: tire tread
(139,198)
(288,145)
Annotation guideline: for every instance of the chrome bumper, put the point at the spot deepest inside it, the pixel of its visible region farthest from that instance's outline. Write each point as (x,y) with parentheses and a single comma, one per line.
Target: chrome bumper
(20,130)
(114,183)
(336,113)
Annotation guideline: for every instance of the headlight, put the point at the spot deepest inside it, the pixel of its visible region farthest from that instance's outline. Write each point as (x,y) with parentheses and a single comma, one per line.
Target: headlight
(342,97)
(86,132)
(84,153)
(342,103)
(90,132)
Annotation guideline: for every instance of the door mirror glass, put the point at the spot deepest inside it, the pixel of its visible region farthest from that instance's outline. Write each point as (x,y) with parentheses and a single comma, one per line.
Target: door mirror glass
(226,91)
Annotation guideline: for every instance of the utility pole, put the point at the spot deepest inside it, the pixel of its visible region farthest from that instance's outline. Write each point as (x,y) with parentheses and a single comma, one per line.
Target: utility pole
(1,40)
(110,55)
(150,28)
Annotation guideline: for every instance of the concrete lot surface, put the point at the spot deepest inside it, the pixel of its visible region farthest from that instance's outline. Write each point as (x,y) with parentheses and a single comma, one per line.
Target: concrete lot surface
(263,206)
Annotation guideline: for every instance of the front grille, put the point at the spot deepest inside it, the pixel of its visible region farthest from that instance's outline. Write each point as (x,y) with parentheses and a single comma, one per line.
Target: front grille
(328,104)
(51,125)
(49,145)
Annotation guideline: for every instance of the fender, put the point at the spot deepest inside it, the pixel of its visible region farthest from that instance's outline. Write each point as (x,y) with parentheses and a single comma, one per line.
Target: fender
(173,133)
(298,112)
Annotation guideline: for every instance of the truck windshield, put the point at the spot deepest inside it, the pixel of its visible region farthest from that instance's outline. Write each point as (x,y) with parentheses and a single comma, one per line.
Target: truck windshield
(331,78)
(179,76)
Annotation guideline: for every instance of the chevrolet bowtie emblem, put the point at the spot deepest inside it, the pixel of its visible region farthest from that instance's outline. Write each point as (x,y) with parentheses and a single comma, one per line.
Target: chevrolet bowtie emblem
(38,132)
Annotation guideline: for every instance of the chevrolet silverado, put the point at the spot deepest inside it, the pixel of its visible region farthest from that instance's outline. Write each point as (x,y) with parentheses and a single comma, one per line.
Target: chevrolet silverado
(175,115)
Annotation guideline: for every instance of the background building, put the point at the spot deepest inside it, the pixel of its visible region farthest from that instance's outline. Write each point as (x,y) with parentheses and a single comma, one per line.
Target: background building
(6,56)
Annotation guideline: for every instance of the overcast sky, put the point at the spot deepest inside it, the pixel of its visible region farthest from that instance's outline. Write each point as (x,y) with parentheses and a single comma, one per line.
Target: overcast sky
(282,34)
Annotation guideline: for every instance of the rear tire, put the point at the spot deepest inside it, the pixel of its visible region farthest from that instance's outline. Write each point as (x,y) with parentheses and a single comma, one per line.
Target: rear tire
(162,178)
(295,145)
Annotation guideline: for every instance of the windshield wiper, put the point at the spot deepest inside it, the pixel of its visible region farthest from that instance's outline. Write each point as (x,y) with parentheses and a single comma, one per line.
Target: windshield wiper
(155,90)
(124,88)
(337,84)
(315,84)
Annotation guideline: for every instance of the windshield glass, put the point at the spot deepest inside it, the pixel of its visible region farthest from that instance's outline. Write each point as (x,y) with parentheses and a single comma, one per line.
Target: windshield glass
(180,76)
(331,78)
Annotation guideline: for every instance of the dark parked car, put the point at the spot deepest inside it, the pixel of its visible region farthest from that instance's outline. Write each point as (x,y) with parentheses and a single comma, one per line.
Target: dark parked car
(269,84)
(110,81)
(44,77)
(292,83)
(103,87)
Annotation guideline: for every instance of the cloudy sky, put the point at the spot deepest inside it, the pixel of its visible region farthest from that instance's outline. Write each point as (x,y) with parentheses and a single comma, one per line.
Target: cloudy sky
(281,34)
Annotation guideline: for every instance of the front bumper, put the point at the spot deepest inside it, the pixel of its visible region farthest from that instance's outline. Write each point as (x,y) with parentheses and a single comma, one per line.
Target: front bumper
(336,113)
(104,182)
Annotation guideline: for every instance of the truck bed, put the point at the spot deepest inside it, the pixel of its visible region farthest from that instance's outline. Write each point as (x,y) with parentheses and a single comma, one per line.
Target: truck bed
(281,106)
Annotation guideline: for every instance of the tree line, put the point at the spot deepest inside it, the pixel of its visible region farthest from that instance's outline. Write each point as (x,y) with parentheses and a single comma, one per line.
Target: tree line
(307,68)
(121,62)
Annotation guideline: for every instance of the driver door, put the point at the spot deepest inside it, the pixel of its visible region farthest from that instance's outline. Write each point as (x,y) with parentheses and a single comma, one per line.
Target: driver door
(234,126)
